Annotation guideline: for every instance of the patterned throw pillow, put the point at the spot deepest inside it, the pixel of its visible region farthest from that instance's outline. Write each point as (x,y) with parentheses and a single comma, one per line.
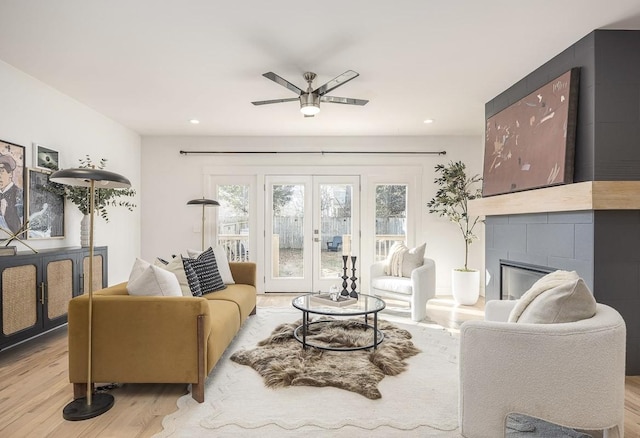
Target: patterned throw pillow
(192,278)
(207,271)
(221,261)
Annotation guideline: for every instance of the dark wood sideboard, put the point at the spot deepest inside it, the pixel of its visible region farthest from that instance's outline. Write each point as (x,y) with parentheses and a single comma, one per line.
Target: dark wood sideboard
(35,289)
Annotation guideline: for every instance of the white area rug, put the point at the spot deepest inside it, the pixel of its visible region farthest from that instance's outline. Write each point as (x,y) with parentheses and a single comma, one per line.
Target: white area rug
(422,401)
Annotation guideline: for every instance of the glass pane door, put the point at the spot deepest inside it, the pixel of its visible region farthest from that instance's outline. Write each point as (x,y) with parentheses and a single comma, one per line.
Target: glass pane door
(288,227)
(338,215)
(311,225)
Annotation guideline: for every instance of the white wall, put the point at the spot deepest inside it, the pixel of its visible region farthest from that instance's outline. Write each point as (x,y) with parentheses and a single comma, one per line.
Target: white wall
(170,179)
(31,111)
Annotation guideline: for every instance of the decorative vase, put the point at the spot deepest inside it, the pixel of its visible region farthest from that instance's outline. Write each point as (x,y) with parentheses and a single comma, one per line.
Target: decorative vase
(465,286)
(84,231)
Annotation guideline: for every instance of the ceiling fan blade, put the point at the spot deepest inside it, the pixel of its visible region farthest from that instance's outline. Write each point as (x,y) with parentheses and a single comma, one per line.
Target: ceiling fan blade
(344,100)
(280,81)
(336,82)
(266,102)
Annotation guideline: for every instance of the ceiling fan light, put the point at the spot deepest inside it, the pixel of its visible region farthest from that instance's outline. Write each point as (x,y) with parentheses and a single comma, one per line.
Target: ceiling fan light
(309,104)
(309,109)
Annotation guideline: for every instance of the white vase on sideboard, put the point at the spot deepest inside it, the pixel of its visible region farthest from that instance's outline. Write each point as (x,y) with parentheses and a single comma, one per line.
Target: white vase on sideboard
(84,231)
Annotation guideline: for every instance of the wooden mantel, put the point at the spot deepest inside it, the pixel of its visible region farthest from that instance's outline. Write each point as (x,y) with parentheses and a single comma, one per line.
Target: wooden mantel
(589,195)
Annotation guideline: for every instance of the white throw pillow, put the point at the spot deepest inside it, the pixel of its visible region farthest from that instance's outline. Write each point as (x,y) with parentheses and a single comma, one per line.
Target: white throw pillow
(401,260)
(153,281)
(561,296)
(138,268)
(221,260)
(175,266)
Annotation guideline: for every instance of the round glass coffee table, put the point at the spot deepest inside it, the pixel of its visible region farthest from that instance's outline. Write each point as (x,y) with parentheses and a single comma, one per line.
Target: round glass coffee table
(366,305)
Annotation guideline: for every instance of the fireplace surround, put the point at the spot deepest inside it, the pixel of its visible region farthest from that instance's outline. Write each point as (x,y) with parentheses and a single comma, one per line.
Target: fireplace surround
(593,225)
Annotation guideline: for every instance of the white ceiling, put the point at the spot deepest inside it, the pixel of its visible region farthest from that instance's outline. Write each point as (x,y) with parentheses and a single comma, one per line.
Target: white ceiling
(152,65)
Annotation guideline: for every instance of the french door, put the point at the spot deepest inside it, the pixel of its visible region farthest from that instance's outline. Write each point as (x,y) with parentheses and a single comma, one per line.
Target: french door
(311,222)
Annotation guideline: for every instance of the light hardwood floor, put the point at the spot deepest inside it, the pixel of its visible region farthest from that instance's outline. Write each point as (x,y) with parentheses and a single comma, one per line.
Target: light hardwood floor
(34,386)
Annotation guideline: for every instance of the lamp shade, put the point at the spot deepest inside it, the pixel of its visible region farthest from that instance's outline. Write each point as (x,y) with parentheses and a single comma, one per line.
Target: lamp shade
(82,177)
(203,202)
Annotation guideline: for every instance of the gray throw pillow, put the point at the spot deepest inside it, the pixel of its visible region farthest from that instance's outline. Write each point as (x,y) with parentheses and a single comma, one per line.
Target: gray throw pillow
(561,296)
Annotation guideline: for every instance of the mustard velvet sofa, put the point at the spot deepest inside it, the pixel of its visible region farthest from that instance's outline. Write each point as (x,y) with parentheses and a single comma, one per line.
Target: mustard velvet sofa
(149,339)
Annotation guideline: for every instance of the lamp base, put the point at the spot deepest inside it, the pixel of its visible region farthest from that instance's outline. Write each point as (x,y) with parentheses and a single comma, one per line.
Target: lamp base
(79,410)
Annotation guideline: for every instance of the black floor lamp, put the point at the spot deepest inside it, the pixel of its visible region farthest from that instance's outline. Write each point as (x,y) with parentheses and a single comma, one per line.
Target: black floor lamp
(93,404)
(204,202)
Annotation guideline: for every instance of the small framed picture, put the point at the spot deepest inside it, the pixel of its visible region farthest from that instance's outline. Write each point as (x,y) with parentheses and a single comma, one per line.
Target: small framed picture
(45,158)
(45,209)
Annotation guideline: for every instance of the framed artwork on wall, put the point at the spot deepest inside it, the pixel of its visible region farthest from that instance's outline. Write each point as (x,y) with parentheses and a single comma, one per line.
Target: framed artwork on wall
(12,183)
(46,209)
(531,143)
(45,158)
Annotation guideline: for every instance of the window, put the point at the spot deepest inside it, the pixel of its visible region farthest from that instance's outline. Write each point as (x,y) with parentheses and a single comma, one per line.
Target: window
(233,221)
(391,217)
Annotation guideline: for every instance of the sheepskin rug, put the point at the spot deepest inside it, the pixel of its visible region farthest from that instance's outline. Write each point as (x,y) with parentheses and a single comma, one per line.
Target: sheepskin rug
(281,360)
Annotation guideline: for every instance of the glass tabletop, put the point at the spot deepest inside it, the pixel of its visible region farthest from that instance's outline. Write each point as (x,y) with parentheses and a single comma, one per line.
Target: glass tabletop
(312,303)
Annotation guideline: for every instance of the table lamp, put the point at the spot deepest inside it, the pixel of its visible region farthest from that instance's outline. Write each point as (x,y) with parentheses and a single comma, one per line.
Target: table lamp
(204,202)
(93,404)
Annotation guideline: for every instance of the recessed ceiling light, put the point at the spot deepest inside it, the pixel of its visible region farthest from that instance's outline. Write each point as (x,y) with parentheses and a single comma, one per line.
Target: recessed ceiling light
(194,121)
(427,121)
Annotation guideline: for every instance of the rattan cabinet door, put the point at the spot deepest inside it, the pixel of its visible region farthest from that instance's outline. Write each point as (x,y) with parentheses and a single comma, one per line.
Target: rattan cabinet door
(99,269)
(58,288)
(21,299)
(97,273)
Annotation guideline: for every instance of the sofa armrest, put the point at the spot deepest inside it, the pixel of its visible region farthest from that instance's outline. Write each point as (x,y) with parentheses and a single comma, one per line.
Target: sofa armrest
(498,310)
(243,272)
(423,279)
(561,371)
(377,270)
(137,339)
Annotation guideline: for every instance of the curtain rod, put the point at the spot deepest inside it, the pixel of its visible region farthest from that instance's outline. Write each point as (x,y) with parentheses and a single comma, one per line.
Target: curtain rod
(314,152)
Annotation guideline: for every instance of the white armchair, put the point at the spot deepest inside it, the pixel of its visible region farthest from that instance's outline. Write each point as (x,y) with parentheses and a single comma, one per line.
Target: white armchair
(416,290)
(570,374)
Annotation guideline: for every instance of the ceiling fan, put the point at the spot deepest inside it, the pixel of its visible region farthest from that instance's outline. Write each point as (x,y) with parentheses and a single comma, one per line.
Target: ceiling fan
(310,99)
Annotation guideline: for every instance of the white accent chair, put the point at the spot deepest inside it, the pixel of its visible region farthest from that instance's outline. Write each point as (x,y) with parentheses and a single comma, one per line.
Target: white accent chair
(416,290)
(570,374)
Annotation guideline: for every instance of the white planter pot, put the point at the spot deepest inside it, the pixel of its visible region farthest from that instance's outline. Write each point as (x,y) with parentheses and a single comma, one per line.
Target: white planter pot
(84,231)
(465,286)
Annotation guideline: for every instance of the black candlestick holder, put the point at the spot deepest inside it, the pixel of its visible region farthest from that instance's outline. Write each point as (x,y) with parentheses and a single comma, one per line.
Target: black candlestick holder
(354,285)
(345,277)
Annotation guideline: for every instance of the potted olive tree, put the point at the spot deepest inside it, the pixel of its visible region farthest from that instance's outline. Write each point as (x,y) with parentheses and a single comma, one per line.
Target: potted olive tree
(454,192)
(104,198)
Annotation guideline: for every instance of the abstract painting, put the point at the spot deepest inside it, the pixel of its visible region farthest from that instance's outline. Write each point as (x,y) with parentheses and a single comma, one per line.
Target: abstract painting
(531,143)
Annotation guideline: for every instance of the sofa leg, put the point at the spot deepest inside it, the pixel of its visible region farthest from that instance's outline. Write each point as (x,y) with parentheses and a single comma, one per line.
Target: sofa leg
(79,390)
(197,389)
(253,312)
(197,392)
